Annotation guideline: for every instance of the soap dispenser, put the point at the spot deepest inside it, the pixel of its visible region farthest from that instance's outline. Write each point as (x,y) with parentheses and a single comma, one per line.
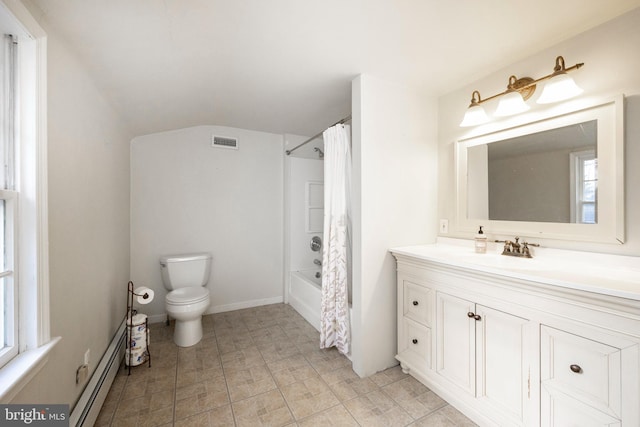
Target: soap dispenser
(481,242)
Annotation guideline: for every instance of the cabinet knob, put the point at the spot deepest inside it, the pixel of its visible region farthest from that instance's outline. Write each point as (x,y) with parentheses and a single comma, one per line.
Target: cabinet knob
(576,368)
(415,341)
(477,317)
(470,314)
(415,303)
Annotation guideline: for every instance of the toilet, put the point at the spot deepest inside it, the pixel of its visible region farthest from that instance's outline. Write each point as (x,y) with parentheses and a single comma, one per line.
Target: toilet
(185,277)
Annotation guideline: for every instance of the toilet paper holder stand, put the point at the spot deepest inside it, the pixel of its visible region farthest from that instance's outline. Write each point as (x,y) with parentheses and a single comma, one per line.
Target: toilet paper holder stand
(129,322)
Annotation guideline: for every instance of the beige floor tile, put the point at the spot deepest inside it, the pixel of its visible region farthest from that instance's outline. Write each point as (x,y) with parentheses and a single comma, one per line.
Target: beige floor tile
(267,409)
(187,378)
(324,366)
(436,419)
(335,416)
(377,409)
(458,418)
(338,375)
(199,420)
(209,395)
(161,400)
(293,374)
(232,343)
(130,408)
(277,350)
(244,383)
(353,387)
(295,361)
(308,397)
(267,335)
(414,397)
(242,359)
(155,418)
(388,376)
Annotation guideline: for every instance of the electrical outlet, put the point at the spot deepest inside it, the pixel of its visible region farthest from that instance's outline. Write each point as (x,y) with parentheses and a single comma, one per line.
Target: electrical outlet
(81,374)
(87,355)
(444,226)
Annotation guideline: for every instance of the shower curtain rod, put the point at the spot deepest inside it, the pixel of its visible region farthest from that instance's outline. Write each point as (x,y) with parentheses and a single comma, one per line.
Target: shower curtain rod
(346,119)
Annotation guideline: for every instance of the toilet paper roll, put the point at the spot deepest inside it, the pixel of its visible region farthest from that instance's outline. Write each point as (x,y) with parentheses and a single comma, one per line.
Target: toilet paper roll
(138,357)
(145,295)
(139,321)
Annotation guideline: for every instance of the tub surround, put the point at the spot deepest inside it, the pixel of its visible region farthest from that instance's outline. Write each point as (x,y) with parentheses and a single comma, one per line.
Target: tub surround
(552,340)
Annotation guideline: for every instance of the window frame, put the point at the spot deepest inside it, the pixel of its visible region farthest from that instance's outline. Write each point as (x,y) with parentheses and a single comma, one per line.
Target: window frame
(577,159)
(34,338)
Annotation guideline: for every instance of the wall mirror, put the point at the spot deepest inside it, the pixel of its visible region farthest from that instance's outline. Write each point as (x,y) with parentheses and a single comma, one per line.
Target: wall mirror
(560,177)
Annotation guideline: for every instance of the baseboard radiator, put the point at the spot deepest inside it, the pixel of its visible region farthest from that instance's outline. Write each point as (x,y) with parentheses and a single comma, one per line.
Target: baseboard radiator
(88,407)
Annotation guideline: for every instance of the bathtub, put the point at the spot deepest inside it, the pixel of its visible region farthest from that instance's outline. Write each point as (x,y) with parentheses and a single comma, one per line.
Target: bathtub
(305,296)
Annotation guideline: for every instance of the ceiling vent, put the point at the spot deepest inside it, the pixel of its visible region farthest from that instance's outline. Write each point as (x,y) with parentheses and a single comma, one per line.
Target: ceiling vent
(224,142)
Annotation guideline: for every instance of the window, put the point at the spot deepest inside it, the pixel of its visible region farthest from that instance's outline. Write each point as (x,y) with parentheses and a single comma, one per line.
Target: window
(8,202)
(584,187)
(25,339)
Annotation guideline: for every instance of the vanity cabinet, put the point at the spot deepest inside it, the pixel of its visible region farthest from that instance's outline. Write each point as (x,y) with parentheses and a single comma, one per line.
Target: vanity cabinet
(483,351)
(512,351)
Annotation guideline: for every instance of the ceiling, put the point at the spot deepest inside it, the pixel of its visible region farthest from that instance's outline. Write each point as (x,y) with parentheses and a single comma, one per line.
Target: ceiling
(285,66)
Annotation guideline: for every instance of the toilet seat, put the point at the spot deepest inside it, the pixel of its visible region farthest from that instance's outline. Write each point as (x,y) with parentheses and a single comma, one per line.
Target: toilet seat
(186,296)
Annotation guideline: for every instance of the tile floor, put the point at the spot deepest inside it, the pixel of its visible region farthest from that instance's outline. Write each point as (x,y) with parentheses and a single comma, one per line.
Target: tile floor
(262,366)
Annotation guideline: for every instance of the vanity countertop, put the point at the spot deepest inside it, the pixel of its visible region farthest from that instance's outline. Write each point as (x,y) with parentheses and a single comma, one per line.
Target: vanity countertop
(605,274)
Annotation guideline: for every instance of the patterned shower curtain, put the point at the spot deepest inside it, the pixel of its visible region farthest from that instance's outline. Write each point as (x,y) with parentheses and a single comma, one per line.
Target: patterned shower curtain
(335,329)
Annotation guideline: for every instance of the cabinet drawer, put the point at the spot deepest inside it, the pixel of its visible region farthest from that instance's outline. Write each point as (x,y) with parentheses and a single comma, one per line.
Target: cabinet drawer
(560,410)
(417,303)
(585,369)
(416,343)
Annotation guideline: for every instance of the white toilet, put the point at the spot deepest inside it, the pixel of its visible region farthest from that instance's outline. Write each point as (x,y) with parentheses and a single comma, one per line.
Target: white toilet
(186,276)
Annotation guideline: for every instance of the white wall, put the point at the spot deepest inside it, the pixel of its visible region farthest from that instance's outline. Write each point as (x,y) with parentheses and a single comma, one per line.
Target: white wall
(88,178)
(612,65)
(187,196)
(394,204)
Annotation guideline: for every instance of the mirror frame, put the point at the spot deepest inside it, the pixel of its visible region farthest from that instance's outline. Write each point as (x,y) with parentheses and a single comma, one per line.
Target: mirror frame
(610,150)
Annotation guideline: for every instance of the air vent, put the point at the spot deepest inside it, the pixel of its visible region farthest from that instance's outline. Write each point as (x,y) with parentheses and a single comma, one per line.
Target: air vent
(224,142)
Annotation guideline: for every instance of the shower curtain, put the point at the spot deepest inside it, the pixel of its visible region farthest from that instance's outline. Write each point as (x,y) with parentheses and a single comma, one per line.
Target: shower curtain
(335,329)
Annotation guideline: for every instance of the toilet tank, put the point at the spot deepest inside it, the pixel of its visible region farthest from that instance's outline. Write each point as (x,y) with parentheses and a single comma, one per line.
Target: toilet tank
(185,270)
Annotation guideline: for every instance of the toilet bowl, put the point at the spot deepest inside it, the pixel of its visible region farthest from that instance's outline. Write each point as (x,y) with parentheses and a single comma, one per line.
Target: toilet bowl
(186,276)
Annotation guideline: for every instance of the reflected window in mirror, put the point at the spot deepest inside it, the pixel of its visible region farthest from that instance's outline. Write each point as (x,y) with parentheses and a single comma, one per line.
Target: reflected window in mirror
(584,189)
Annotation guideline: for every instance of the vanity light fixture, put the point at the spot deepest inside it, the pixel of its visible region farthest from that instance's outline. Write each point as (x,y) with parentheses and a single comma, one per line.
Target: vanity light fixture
(559,87)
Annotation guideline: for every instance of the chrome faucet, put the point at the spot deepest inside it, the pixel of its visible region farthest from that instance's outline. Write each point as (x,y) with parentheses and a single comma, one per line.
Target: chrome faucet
(516,248)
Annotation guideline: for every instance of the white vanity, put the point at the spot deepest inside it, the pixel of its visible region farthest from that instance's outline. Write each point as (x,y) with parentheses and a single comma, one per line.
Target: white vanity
(548,341)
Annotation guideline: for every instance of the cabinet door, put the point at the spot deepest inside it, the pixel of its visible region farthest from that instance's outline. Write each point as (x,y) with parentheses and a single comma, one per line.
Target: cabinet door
(503,365)
(455,342)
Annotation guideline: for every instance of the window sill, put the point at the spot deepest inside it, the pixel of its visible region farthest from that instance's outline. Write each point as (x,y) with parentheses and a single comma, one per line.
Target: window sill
(17,373)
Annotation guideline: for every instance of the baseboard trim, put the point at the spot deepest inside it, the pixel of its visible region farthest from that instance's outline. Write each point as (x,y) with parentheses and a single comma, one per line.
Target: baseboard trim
(160,318)
(88,406)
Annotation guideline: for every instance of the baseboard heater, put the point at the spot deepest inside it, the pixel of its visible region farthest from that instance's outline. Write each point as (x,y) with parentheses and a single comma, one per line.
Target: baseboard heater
(88,407)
